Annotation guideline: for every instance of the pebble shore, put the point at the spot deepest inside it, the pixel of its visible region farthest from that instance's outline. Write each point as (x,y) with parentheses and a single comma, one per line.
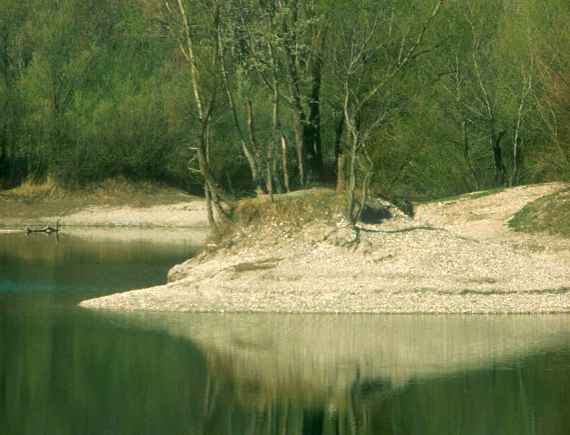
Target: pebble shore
(402,266)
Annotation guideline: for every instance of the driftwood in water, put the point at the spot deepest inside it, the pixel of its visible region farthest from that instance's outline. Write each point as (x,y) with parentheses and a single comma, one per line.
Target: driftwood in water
(46,229)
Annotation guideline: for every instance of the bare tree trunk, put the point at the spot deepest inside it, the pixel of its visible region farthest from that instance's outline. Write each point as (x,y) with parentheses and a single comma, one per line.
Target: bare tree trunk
(246,148)
(275,122)
(351,195)
(467,155)
(300,148)
(269,166)
(285,159)
(516,159)
(340,173)
(253,140)
(500,168)
(211,189)
(339,156)
(299,117)
(210,185)
(313,127)
(517,132)
(210,211)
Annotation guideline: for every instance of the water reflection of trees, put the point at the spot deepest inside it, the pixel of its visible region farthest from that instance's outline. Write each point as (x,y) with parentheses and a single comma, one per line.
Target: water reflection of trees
(69,373)
(502,384)
(287,416)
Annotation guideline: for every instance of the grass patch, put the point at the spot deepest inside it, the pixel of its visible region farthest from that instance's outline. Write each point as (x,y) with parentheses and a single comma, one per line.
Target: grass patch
(287,213)
(549,215)
(295,209)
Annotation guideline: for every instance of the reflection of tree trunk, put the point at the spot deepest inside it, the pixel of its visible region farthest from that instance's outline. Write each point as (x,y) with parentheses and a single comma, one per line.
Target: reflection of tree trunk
(313,421)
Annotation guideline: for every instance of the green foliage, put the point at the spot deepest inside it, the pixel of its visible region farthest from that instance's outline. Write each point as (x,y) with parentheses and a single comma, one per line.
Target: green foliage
(97,89)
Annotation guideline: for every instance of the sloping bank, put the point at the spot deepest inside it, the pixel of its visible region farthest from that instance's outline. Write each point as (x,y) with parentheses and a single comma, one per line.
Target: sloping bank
(296,255)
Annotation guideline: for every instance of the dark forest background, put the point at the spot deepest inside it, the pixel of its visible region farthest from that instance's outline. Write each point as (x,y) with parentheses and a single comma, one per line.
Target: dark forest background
(467,96)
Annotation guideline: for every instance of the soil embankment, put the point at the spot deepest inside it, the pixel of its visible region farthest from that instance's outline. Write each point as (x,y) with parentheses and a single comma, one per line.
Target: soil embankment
(454,257)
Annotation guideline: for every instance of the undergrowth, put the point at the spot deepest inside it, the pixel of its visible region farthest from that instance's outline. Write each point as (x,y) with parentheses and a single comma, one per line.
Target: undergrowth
(286,213)
(110,191)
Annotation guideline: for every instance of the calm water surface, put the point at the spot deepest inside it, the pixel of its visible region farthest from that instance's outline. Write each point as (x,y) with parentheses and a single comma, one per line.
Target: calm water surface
(68,371)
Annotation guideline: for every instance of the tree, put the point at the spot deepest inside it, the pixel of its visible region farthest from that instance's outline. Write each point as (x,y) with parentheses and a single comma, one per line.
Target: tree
(199,61)
(370,58)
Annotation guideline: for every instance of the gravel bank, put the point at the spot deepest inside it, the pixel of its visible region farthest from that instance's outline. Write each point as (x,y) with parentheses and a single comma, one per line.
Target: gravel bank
(398,267)
(186,214)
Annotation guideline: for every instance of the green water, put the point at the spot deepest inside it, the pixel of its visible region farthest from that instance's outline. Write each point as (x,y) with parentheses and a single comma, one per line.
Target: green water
(68,371)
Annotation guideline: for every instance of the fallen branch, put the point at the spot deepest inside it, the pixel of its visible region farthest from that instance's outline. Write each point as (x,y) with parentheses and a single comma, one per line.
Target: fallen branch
(47,229)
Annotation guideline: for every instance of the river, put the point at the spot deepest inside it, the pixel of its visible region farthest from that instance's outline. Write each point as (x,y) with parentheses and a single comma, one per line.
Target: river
(70,371)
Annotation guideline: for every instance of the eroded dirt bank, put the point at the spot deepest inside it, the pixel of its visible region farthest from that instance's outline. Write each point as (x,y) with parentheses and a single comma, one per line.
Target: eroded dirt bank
(454,257)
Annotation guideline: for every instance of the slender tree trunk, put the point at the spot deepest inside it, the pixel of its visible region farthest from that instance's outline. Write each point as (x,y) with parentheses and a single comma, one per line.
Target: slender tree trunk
(351,194)
(527,89)
(209,208)
(285,160)
(254,143)
(500,168)
(313,127)
(248,152)
(299,146)
(338,155)
(274,121)
(340,173)
(269,166)
(516,163)
(211,189)
(467,155)
(299,117)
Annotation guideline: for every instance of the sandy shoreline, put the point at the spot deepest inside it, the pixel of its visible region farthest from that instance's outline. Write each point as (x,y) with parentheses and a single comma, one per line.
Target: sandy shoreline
(468,263)
(169,224)
(184,214)
(187,214)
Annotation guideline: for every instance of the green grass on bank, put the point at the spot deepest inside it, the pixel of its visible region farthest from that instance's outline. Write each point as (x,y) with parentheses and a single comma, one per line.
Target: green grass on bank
(289,212)
(549,215)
